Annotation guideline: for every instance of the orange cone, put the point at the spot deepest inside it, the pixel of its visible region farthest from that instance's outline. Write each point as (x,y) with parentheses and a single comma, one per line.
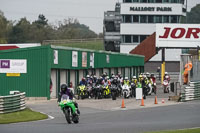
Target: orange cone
(156,101)
(163,101)
(142,102)
(123,105)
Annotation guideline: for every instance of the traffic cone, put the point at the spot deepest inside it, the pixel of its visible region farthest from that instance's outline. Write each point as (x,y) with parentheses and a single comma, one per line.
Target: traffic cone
(163,101)
(142,102)
(123,105)
(156,101)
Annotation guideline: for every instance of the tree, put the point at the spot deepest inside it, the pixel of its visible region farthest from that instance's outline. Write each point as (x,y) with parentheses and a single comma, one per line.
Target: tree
(5,28)
(42,21)
(20,32)
(194,15)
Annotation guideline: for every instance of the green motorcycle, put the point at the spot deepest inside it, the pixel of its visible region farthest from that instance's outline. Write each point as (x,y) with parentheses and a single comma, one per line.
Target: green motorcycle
(69,109)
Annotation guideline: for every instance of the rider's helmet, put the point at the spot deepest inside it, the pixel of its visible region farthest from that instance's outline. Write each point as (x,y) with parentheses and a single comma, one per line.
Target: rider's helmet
(148,74)
(83,79)
(108,77)
(63,87)
(88,76)
(152,75)
(126,78)
(166,73)
(113,76)
(134,77)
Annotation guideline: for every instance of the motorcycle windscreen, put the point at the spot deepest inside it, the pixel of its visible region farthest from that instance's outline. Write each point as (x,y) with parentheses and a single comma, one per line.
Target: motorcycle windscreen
(64,97)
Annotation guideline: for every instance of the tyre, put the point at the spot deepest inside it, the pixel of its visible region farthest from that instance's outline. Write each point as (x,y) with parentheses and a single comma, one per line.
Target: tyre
(82,96)
(78,97)
(113,95)
(148,90)
(76,119)
(67,116)
(154,90)
(124,95)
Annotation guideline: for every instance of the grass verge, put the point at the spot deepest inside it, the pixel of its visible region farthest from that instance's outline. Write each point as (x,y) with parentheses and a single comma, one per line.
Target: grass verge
(94,45)
(21,116)
(197,130)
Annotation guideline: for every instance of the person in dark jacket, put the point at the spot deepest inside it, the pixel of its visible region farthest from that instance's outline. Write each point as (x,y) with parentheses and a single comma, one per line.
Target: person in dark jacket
(65,90)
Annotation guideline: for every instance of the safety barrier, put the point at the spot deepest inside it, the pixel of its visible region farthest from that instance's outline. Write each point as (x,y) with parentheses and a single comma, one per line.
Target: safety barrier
(12,103)
(191,92)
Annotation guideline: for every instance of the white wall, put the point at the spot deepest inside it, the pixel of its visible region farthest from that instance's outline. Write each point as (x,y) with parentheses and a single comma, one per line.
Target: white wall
(72,77)
(137,29)
(63,76)
(170,55)
(97,73)
(120,70)
(80,75)
(126,48)
(112,70)
(53,79)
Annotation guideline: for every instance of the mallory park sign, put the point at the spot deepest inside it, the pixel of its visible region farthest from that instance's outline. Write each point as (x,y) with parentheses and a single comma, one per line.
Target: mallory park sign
(158,9)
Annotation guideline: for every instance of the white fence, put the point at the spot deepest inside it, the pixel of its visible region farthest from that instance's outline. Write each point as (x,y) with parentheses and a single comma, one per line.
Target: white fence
(12,103)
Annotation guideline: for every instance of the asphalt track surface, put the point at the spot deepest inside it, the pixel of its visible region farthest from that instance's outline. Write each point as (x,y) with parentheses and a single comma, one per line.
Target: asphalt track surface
(180,116)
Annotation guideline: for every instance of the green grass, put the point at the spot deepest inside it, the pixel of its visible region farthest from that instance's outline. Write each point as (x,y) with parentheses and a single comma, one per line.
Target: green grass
(197,130)
(21,116)
(94,45)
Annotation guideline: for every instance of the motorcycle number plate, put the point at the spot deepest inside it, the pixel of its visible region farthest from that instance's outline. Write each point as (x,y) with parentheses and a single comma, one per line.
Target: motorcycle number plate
(65,101)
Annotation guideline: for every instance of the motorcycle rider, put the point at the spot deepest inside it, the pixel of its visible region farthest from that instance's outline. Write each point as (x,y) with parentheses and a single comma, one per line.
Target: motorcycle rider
(83,82)
(133,85)
(126,81)
(166,77)
(66,91)
(141,83)
(153,78)
(134,80)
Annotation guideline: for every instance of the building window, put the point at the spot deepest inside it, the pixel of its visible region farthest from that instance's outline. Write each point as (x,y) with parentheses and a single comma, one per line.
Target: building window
(136,19)
(127,1)
(142,38)
(158,1)
(165,19)
(127,38)
(135,38)
(174,19)
(165,1)
(128,19)
(135,0)
(174,1)
(143,19)
(150,19)
(143,1)
(158,19)
(151,1)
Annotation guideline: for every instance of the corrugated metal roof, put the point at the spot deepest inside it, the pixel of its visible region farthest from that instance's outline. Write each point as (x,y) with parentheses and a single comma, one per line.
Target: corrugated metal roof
(88,50)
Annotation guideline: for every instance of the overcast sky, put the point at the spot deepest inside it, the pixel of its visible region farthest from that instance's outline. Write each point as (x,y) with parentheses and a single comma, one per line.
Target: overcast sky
(88,12)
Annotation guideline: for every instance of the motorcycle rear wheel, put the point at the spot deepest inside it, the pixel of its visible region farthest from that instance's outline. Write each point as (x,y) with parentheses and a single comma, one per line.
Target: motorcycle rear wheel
(76,119)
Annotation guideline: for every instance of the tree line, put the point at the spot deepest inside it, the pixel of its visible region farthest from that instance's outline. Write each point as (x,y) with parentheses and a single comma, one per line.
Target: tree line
(25,31)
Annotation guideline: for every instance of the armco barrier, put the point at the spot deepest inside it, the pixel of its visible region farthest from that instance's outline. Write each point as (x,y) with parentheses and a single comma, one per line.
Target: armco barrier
(12,103)
(191,92)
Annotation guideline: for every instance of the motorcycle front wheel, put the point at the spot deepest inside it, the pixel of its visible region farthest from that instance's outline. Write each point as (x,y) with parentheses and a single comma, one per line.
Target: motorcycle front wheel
(67,116)
(113,95)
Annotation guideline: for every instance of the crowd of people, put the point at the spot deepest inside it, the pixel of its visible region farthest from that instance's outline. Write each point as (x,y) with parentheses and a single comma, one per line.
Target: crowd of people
(146,81)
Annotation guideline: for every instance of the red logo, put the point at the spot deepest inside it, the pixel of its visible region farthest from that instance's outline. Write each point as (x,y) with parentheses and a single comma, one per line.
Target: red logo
(178,33)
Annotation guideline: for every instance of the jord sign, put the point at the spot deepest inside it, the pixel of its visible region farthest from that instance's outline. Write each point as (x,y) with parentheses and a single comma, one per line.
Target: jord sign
(178,35)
